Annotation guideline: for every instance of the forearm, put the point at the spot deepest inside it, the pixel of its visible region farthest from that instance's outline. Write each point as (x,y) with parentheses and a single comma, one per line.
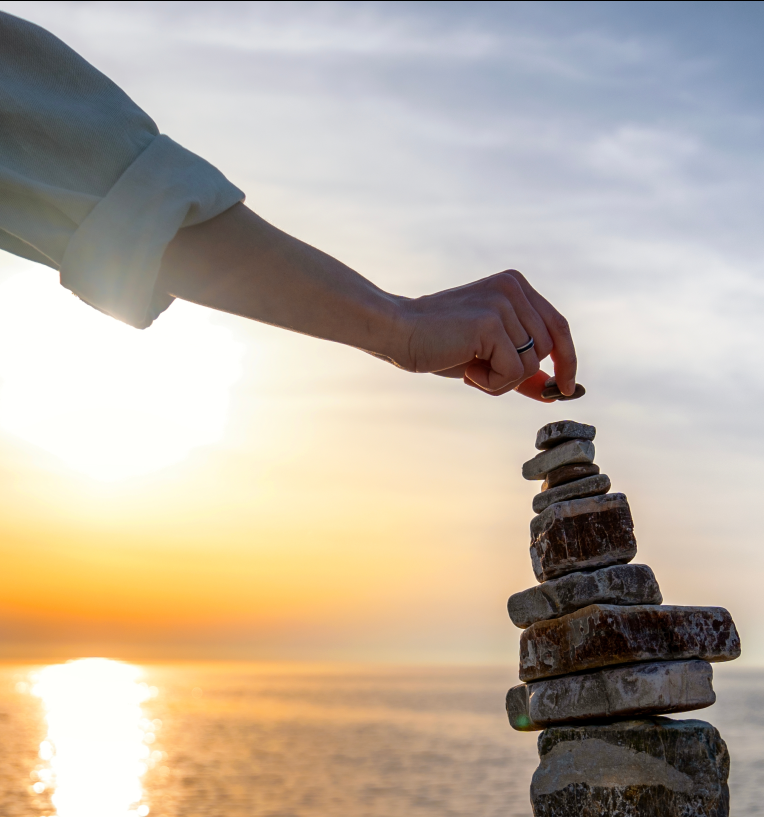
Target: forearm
(239,263)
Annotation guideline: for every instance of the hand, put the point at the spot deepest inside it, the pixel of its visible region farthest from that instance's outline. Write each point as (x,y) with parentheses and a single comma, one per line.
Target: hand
(472,332)
(239,263)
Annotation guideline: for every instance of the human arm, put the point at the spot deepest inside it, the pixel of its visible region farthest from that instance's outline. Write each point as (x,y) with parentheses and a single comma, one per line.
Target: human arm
(130,218)
(239,263)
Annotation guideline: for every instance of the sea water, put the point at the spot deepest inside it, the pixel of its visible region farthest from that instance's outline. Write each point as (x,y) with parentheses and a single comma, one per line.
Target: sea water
(107,739)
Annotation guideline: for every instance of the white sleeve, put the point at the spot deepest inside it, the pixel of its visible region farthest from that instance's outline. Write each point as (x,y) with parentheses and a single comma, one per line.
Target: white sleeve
(87,184)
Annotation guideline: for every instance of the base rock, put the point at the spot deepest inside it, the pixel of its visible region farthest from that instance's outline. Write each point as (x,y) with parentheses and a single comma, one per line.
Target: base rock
(562,431)
(594,485)
(645,768)
(604,635)
(582,534)
(568,453)
(632,691)
(568,473)
(619,584)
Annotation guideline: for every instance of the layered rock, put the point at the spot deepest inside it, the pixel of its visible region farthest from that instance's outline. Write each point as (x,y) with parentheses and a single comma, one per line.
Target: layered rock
(552,434)
(564,454)
(569,473)
(616,692)
(588,486)
(599,647)
(582,534)
(603,635)
(620,584)
(641,768)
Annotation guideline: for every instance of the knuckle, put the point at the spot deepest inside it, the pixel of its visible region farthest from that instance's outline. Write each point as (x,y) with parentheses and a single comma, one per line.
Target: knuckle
(508,284)
(531,367)
(560,323)
(517,276)
(515,371)
(491,323)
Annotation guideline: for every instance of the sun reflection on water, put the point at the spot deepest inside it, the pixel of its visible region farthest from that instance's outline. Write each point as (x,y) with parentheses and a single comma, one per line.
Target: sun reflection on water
(97,747)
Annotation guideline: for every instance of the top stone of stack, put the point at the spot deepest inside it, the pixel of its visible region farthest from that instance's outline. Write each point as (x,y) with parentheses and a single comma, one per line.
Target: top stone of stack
(553,434)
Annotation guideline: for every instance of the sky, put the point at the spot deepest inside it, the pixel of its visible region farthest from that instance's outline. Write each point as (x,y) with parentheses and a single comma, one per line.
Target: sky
(227,489)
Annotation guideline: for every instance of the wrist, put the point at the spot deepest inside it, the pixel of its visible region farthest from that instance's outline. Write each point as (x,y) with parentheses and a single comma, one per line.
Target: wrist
(390,328)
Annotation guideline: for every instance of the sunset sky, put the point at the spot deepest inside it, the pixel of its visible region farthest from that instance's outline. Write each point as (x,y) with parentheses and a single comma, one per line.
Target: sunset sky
(213,487)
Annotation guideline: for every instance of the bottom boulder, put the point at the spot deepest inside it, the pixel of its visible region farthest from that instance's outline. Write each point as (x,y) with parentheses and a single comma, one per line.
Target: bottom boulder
(652,767)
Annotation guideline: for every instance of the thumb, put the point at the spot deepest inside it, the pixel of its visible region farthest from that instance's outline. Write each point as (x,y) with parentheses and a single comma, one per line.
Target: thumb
(533,386)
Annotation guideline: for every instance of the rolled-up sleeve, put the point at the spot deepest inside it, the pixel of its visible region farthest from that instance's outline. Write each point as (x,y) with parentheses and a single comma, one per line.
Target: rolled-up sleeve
(88,185)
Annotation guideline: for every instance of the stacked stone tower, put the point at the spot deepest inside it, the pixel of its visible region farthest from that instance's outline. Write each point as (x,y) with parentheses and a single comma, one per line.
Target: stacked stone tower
(601,657)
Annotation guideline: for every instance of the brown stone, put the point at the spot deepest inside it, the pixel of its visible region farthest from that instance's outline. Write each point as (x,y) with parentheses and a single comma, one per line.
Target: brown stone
(568,473)
(582,534)
(653,767)
(588,486)
(619,584)
(561,431)
(564,454)
(635,690)
(554,393)
(604,635)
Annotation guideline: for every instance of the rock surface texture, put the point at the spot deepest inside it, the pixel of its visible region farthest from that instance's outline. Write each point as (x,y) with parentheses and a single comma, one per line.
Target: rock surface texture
(554,393)
(602,657)
(620,584)
(617,692)
(642,768)
(568,473)
(564,454)
(588,486)
(582,534)
(603,635)
(553,434)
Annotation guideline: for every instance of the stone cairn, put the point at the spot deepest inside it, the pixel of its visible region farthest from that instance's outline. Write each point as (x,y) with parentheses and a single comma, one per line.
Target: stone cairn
(601,658)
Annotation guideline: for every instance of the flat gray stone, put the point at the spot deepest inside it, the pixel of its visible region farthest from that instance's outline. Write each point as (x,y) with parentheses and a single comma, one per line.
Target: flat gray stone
(603,635)
(568,473)
(582,534)
(563,454)
(561,431)
(588,486)
(655,767)
(554,393)
(619,584)
(616,692)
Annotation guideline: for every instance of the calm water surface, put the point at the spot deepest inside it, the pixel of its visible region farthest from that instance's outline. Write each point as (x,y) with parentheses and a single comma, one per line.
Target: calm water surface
(104,739)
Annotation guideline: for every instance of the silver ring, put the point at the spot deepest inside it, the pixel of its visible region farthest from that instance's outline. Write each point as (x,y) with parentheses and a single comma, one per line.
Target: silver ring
(526,347)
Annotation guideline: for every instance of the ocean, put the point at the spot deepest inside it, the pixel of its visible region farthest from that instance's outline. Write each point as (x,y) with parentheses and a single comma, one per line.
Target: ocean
(100,738)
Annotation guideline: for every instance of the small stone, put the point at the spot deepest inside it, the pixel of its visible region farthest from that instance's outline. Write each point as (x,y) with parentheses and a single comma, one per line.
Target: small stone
(588,486)
(604,635)
(620,584)
(653,767)
(618,692)
(582,534)
(554,393)
(568,473)
(518,709)
(561,431)
(565,454)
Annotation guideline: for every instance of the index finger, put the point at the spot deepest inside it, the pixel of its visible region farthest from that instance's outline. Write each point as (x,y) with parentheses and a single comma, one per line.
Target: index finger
(563,353)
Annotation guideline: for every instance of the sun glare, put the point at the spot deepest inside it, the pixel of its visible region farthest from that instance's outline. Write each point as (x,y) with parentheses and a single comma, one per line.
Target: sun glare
(109,400)
(97,747)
